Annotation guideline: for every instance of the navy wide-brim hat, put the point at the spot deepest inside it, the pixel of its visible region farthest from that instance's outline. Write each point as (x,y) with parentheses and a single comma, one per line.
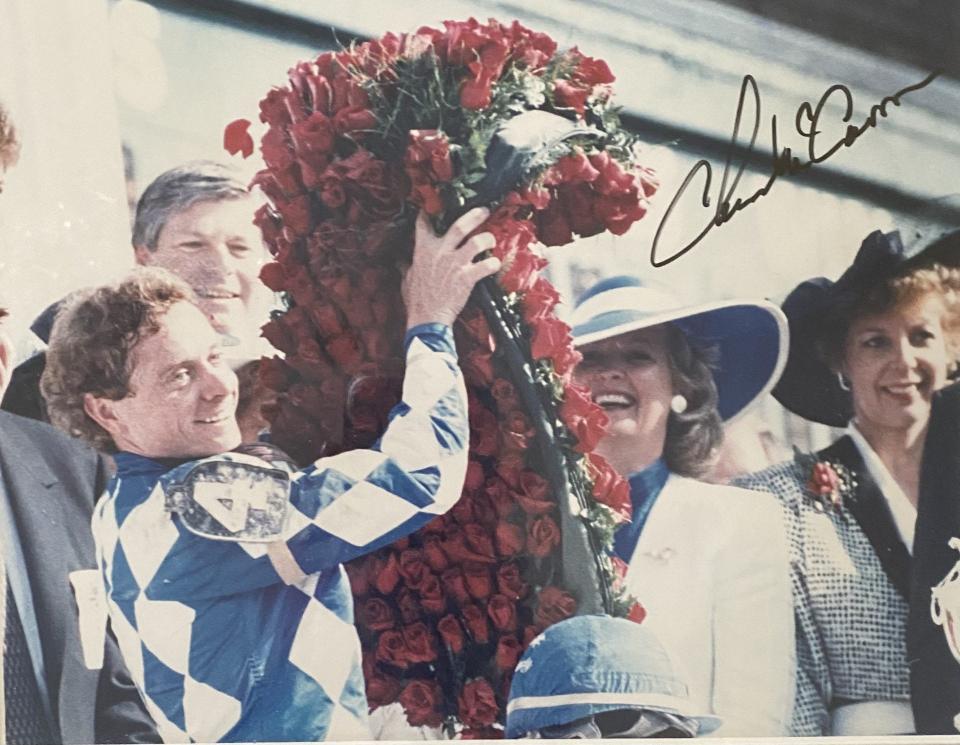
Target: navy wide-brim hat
(590,664)
(808,387)
(749,335)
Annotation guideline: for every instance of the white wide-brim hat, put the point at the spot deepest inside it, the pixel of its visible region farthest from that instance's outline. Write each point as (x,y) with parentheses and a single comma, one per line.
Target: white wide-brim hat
(751,336)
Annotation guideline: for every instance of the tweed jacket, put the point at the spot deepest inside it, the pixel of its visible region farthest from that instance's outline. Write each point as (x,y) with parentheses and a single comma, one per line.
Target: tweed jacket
(711,569)
(850,573)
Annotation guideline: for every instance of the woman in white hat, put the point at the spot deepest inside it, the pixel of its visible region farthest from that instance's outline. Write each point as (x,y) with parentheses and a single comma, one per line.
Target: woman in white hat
(708,562)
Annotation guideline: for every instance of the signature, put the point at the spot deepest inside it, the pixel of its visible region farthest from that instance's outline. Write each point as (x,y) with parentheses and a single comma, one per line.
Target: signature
(784,161)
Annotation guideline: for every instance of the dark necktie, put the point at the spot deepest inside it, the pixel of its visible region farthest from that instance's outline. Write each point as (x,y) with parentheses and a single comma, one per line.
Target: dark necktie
(25,720)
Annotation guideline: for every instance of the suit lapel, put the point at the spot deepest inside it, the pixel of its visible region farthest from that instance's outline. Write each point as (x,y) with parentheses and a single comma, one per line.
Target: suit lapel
(872,513)
(52,523)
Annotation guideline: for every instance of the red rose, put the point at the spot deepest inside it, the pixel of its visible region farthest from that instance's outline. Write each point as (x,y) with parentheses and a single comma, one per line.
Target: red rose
(478,704)
(509,467)
(274,373)
(543,536)
(381,689)
(505,395)
(550,335)
(384,573)
(553,228)
(326,318)
(391,649)
(346,351)
(272,275)
(412,568)
(278,334)
(473,323)
(637,613)
(273,108)
(428,153)
(610,488)
(510,582)
(533,494)
(553,606)
(312,136)
(461,547)
(421,702)
(612,179)
(237,139)
(564,363)
(421,646)
(510,539)
(353,118)
(570,94)
(583,417)
(475,476)
(451,633)
(571,169)
(540,300)
(579,201)
(455,586)
(502,612)
(432,599)
(520,270)
(501,497)
(433,553)
(483,430)
(508,653)
(408,605)
(531,49)
(516,431)
(477,579)
(479,541)
(462,511)
(618,212)
(478,367)
(358,576)
(485,512)
(376,615)
(529,634)
(476,622)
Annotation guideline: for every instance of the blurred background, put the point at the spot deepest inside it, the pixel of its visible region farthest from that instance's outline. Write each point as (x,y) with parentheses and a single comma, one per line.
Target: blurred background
(107,94)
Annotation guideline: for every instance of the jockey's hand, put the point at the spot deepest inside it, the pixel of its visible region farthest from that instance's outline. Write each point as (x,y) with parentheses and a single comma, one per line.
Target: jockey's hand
(443,270)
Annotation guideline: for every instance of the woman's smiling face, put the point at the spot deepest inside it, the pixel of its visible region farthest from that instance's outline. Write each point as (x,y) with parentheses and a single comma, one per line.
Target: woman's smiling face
(629,376)
(895,362)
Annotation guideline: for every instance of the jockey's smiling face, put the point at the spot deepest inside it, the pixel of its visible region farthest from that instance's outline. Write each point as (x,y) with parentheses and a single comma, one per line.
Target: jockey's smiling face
(183,396)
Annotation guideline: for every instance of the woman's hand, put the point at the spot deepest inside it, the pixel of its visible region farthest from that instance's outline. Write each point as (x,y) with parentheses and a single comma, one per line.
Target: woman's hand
(443,271)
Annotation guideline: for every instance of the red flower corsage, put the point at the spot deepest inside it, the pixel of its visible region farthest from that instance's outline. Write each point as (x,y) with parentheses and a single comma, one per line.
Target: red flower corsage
(830,483)
(825,483)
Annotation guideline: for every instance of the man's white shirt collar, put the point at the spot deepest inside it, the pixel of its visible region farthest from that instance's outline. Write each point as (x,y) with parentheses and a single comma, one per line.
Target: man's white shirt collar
(903,511)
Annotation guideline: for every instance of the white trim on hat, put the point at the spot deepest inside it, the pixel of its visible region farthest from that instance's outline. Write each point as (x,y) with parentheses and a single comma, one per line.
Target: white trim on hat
(652,300)
(661,701)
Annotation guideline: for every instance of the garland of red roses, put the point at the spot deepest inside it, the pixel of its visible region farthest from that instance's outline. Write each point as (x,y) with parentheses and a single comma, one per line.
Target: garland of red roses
(357,142)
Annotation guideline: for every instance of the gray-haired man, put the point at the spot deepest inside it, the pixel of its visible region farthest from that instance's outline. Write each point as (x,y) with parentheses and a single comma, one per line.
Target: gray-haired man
(196,221)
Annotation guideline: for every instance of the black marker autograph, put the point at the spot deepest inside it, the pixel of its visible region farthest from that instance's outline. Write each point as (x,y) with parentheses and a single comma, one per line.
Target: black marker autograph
(784,161)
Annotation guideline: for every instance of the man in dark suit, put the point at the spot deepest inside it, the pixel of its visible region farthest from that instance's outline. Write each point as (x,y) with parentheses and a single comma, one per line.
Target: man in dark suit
(60,683)
(934,673)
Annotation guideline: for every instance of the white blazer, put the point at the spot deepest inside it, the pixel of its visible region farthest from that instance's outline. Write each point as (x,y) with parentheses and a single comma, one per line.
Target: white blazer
(711,568)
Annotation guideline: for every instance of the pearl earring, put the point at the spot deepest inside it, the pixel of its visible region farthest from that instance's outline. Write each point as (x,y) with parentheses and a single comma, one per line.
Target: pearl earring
(678,404)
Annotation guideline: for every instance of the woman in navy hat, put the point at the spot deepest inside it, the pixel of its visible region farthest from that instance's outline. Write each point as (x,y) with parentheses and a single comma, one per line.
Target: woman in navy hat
(708,562)
(868,352)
